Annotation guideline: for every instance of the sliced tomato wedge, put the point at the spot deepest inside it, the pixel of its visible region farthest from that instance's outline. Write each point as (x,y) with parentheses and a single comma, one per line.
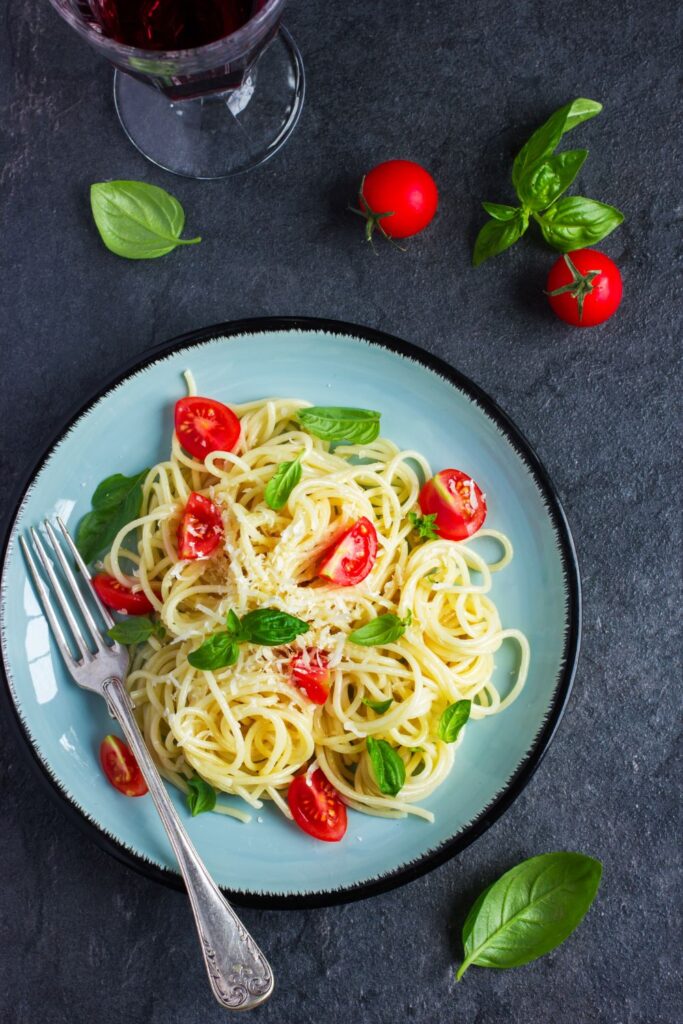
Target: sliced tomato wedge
(317,807)
(121,599)
(311,673)
(457,501)
(121,768)
(204,425)
(352,556)
(201,528)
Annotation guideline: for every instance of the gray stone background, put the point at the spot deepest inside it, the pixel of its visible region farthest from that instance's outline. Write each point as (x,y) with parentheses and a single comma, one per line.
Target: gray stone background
(458,87)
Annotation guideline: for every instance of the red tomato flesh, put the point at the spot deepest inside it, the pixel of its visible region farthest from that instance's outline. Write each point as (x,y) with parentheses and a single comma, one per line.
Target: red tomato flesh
(584,288)
(316,807)
(121,768)
(121,599)
(204,426)
(311,673)
(402,189)
(201,528)
(457,502)
(352,556)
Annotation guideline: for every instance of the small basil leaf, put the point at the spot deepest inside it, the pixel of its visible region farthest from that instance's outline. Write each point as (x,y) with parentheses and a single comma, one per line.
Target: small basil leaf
(282,483)
(118,502)
(500,212)
(387,767)
(271,628)
(530,910)
(217,651)
(550,178)
(134,629)
(497,236)
(202,796)
(453,719)
(137,220)
(332,423)
(113,491)
(574,222)
(544,140)
(234,626)
(425,525)
(385,629)
(379,706)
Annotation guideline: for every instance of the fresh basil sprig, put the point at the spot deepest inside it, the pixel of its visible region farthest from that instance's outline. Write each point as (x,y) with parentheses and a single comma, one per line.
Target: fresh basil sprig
(116,501)
(334,423)
(266,627)
(385,629)
(387,767)
(135,629)
(137,220)
(282,483)
(540,176)
(202,796)
(379,706)
(424,525)
(453,719)
(530,910)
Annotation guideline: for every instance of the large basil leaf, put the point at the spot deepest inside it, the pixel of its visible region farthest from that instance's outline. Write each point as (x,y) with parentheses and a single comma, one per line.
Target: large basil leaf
(137,220)
(497,236)
(271,628)
(544,140)
(387,767)
(334,423)
(530,910)
(116,501)
(217,651)
(574,222)
(453,719)
(282,483)
(385,629)
(548,179)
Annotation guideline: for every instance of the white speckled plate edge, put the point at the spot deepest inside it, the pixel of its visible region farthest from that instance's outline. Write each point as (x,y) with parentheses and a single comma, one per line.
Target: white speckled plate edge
(415,866)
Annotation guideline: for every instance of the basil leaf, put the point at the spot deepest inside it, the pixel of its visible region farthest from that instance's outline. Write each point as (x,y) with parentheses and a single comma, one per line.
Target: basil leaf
(134,629)
(234,627)
(271,628)
(453,719)
(497,236)
(550,178)
(116,501)
(424,525)
(217,651)
(544,140)
(282,483)
(137,220)
(499,211)
(530,910)
(385,629)
(202,796)
(575,222)
(388,768)
(380,706)
(332,423)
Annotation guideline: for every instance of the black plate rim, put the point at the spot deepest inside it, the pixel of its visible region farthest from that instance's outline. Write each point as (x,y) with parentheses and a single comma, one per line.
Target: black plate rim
(526,769)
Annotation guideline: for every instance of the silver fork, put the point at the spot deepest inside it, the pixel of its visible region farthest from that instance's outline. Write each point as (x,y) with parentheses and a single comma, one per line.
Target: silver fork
(240,975)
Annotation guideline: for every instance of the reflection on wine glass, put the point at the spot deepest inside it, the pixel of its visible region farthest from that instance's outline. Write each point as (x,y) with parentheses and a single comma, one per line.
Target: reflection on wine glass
(203,88)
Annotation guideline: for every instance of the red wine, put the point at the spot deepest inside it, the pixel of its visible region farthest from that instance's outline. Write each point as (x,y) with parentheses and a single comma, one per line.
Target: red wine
(171,24)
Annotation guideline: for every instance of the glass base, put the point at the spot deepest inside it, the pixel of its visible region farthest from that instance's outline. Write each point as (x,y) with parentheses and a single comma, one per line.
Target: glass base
(217,136)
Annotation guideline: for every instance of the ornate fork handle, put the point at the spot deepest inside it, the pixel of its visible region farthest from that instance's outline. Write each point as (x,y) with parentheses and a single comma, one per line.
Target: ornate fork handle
(239,974)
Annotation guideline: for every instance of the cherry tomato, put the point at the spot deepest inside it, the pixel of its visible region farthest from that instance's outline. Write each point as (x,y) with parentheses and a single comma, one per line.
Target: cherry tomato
(352,556)
(459,505)
(204,426)
(122,599)
(584,287)
(201,528)
(311,673)
(316,807)
(121,768)
(399,197)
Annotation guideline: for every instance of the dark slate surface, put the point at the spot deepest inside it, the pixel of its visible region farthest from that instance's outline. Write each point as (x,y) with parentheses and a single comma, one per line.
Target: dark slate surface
(457,86)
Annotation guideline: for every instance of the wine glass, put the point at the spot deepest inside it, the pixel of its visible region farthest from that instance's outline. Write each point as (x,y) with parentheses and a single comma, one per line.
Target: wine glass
(193,101)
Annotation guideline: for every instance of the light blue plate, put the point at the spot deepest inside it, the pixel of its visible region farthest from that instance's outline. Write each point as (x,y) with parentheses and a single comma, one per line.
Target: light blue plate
(425,405)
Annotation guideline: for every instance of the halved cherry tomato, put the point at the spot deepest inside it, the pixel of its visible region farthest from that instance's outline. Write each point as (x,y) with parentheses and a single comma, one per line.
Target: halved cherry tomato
(122,599)
(352,556)
(311,673)
(204,426)
(121,768)
(201,528)
(316,807)
(459,505)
